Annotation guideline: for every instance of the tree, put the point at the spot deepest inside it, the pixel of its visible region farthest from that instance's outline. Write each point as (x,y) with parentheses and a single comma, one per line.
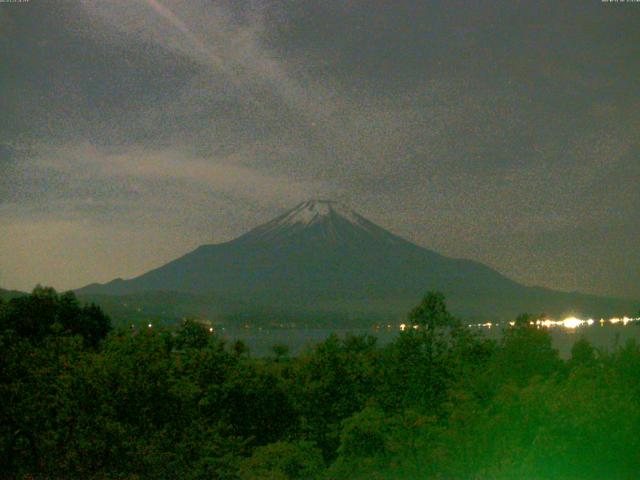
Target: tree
(240,348)
(582,353)
(45,313)
(432,312)
(280,351)
(283,461)
(251,401)
(364,435)
(421,363)
(93,324)
(331,383)
(524,352)
(192,334)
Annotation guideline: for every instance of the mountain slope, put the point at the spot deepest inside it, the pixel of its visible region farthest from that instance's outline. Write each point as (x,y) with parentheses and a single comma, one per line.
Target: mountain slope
(323,257)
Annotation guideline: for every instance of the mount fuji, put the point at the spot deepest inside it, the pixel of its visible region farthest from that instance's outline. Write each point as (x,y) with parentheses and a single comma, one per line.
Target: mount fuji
(321,259)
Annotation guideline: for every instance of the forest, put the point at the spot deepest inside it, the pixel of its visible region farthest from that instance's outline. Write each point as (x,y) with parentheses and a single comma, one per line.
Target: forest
(80,399)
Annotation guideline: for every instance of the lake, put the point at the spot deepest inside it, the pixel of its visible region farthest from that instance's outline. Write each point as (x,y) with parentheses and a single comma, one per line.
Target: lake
(260,340)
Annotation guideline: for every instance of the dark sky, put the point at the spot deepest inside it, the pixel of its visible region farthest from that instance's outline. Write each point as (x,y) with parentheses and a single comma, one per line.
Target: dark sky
(504,131)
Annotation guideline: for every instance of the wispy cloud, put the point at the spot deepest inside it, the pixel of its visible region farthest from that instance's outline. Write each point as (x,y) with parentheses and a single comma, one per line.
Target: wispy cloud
(478,131)
(223,44)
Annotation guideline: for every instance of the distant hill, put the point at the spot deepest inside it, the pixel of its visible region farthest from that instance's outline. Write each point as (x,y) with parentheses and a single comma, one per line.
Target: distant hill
(323,260)
(162,307)
(9,294)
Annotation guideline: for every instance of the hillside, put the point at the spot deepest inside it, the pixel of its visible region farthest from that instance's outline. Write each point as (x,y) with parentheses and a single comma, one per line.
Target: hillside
(322,259)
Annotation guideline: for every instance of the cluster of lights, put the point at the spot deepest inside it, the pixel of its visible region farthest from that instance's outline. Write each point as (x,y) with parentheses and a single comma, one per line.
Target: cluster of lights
(569,322)
(150,325)
(404,326)
(623,320)
(486,325)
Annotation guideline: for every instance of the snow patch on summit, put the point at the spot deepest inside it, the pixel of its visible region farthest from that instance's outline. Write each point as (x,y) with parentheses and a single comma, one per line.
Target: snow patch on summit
(314,211)
(324,219)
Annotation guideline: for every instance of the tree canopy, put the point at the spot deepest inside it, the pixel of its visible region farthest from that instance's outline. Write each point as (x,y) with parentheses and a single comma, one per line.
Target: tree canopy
(440,401)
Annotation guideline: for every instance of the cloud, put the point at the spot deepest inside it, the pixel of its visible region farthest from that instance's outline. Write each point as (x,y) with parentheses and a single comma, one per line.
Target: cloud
(90,177)
(212,37)
(122,212)
(493,131)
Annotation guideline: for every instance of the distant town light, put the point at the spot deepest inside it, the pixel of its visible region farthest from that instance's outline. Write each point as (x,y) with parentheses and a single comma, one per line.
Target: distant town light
(572,322)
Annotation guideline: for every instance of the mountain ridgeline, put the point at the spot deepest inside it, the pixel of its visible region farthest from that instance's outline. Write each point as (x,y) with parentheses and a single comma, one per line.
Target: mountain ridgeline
(321,259)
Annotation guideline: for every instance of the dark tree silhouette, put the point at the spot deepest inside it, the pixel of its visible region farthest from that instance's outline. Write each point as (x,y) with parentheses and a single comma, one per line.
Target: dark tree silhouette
(45,313)
(432,312)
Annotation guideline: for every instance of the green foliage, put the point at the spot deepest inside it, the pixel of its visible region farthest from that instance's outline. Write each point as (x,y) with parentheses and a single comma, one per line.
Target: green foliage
(438,402)
(582,353)
(192,334)
(330,384)
(424,362)
(45,313)
(283,461)
(240,348)
(280,351)
(364,435)
(432,312)
(525,352)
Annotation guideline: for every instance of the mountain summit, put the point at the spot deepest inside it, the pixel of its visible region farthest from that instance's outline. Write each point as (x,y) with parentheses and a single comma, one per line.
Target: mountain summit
(317,221)
(316,211)
(322,258)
